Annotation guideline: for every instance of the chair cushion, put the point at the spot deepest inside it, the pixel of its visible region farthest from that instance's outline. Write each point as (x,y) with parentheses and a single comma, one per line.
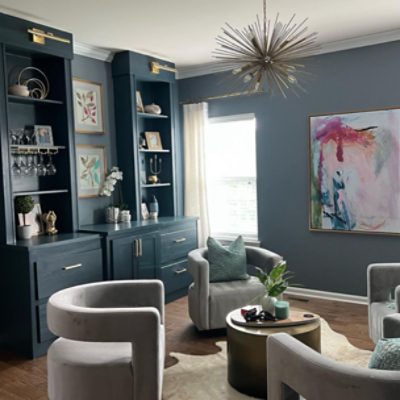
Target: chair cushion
(227,296)
(227,263)
(378,311)
(386,355)
(87,370)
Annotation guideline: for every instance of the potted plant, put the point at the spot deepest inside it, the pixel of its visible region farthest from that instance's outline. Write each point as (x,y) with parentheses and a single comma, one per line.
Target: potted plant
(113,211)
(275,282)
(24,205)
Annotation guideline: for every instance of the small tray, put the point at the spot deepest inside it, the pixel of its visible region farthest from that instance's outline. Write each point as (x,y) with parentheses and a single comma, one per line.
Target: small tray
(296,317)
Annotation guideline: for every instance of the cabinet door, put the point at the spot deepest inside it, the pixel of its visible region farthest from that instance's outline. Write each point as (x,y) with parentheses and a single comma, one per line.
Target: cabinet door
(146,258)
(123,258)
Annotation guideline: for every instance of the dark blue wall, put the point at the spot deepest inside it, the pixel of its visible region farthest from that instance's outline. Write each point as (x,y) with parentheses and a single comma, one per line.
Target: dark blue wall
(359,79)
(91,210)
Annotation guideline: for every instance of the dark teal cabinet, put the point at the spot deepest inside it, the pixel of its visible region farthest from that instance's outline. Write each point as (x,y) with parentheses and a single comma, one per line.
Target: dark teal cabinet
(145,260)
(122,258)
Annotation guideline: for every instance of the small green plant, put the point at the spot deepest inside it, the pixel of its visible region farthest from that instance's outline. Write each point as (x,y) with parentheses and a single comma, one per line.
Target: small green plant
(24,205)
(277,281)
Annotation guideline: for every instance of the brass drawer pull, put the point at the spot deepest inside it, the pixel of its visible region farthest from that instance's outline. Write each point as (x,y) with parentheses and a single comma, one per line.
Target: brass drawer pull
(69,267)
(39,36)
(181,240)
(180,271)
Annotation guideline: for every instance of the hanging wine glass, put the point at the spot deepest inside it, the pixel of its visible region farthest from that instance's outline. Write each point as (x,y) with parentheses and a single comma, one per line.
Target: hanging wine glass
(50,167)
(41,167)
(16,167)
(31,167)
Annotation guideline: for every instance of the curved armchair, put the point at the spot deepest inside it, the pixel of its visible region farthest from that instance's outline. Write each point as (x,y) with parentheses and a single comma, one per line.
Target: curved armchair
(112,341)
(383,316)
(209,303)
(294,369)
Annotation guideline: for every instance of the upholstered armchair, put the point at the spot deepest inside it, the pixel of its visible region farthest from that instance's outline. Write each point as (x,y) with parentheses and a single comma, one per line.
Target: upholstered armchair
(209,303)
(112,341)
(383,314)
(294,369)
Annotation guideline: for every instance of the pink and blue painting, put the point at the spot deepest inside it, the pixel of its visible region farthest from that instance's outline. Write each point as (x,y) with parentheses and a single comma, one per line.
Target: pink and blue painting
(355,172)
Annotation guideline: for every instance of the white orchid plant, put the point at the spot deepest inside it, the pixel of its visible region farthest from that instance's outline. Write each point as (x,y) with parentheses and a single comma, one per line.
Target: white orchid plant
(111,180)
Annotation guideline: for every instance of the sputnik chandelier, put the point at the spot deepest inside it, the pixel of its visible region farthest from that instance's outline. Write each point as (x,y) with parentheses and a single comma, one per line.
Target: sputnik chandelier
(264,55)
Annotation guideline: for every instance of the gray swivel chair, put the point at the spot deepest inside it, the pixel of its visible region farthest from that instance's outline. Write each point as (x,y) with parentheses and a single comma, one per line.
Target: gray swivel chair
(383,314)
(112,341)
(294,369)
(209,303)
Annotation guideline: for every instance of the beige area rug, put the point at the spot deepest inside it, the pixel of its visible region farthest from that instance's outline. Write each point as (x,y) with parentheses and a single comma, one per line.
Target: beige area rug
(205,377)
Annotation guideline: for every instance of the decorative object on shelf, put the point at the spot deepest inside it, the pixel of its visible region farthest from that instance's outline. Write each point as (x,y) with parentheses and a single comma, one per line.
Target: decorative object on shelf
(145,211)
(153,140)
(24,205)
(29,85)
(88,106)
(156,67)
(91,167)
(50,219)
(43,135)
(142,142)
(152,109)
(155,169)
(112,215)
(266,55)
(282,309)
(154,209)
(355,186)
(125,216)
(275,282)
(139,102)
(34,219)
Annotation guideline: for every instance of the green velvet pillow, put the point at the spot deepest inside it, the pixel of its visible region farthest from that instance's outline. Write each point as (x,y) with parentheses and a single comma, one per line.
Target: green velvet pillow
(386,355)
(227,263)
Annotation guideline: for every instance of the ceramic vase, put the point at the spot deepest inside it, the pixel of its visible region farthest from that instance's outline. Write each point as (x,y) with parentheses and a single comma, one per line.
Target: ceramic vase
(125,216)
(268,303)
(112,215)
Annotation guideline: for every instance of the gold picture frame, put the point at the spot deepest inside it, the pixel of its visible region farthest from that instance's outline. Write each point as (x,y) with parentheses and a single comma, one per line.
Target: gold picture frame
(91,167)
(139,102)
(88,106)
(153,140)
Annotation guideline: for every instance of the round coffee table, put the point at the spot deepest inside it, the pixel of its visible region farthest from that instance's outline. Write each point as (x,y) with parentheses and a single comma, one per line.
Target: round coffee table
(247,347)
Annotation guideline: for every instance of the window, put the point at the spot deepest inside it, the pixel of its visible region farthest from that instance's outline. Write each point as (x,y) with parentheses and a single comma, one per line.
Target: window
(231,176)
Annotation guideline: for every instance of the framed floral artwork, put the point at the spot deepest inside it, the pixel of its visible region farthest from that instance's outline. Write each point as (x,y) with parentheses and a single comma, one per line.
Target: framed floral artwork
(88,106)
(91,167)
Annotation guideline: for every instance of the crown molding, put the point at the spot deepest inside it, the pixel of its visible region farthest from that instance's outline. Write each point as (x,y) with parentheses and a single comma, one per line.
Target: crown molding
(325,48)
(87,50)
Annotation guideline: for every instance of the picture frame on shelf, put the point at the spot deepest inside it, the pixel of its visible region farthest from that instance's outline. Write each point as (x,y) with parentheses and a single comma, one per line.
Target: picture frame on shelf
(91,168)
(145,211)
(34,219)
(139,102)
(153,140)
(353,186)
(88,106)
(43,135)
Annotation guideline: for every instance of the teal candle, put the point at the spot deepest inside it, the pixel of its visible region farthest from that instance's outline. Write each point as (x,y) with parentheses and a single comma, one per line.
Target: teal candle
(282,309)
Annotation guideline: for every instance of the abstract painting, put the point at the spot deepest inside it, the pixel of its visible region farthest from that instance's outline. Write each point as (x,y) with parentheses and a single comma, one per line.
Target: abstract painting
(91,167)
(355,172)
(88,106)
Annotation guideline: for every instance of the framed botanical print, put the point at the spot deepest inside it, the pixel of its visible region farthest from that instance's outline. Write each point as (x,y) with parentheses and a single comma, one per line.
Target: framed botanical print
(355,172)
(88,106)
(91,167)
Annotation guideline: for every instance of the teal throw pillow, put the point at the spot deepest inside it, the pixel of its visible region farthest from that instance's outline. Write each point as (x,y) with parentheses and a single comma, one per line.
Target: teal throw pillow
(386,355)
(227,263)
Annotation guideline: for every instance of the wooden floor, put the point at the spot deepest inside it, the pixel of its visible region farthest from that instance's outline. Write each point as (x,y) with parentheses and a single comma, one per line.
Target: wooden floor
(22,379)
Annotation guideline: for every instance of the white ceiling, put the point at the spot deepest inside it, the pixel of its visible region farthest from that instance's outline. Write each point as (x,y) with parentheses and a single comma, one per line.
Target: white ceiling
(184,31)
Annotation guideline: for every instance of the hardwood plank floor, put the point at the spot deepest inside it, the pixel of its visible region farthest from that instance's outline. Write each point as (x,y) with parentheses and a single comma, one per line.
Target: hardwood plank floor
(22,379)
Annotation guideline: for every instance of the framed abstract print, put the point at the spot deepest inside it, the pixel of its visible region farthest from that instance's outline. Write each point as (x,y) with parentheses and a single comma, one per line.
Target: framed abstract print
(355,172)
(88,106)
(91,167)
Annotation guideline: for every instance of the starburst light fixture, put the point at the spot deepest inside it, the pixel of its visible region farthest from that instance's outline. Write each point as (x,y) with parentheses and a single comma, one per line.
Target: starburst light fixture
(266,53)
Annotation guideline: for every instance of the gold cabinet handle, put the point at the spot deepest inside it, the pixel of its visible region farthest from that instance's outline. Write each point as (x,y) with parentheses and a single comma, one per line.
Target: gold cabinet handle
(180,271)
(136,247)
(69,267)
(140,247)
(39,36)
(181,240)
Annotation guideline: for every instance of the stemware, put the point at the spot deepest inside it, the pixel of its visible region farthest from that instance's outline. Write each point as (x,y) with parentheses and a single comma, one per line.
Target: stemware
(41,167)
(31,168)
(16,167)
(50,167)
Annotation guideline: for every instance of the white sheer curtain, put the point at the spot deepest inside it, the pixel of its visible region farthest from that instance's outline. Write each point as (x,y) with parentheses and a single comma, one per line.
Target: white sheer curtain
(195,120)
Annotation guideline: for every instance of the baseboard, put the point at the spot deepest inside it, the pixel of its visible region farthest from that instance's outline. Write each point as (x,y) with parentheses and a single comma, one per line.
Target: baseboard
(319,294)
